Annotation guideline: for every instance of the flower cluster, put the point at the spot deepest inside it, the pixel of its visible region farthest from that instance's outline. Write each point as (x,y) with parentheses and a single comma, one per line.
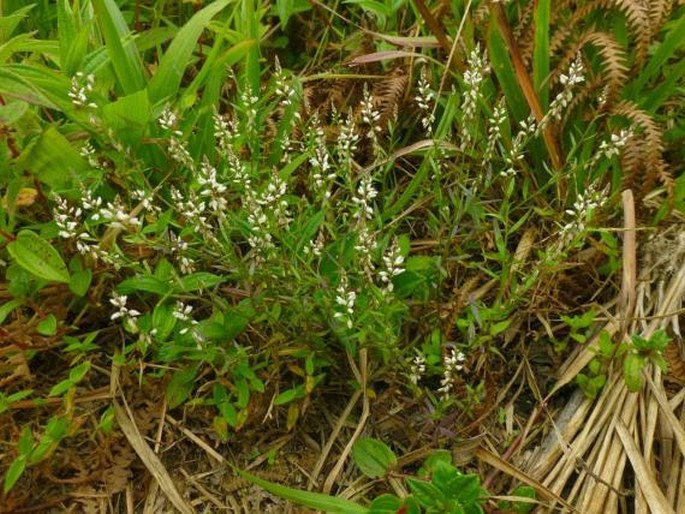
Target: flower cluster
(67,218)
(473,78)
(495,122)
(322,173)
(527,128)
(211,188)
(371,117)
(345,301)
(182,312)
(575,76)
(418,368)
(347,139)
(179,248)
(425,100)
(452,363)
(81,87)
(128,316)
(393,262)
(582,210)
(117,215)
(284,90)
(363,198)
(616,142)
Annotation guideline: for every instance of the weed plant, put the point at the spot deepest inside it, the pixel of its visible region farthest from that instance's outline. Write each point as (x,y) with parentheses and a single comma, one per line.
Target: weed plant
(179,206)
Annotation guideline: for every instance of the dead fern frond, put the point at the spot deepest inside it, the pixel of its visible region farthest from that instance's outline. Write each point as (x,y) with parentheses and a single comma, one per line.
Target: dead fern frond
(613,72)
(643,160)
(639,23)
(389,93)
(676,363)
(658,11)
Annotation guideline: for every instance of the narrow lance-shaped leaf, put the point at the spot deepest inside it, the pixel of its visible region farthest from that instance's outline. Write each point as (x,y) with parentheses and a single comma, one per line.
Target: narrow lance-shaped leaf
(541,52)
(172,66)
(122,50)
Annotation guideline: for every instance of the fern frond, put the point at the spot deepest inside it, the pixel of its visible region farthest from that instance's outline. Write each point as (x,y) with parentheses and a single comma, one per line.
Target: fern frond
(390,92)
(640,24)
(613,71)
(658,11)
(643,160)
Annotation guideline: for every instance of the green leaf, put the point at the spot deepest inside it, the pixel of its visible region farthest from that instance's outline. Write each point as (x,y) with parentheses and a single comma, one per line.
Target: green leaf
(166,81)
(12,112)
(129,116)
(53,160)
(541,51)
(163,320)
(145,283)
(330,504)
(385,504)
(632,371)
(427,494)
(61,387)
(222,400)
(77,373)
(47,326)
(180,386)
(435,459)
(38,257)
(25,442)
(196,281)
(373,457)
(504,70)
(80,282)
(7,307)
(673,41)
(123,53)
(289,395)
(7,401)
(14,472)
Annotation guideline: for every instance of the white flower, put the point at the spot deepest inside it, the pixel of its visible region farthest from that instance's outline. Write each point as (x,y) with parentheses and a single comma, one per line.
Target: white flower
(119,301)
(345,300)
(81,86)
(452,362)
(393,262)
(365,194)
(418,368)
(117,216)
(425,100)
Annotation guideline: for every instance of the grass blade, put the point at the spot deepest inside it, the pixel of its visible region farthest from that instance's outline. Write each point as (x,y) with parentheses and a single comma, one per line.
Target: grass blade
(122,50)
(309,499)
(504,71)
(541,52)
(172,66)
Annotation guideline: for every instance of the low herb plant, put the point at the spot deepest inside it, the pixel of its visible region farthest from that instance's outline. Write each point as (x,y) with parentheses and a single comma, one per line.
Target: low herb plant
(238,227)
